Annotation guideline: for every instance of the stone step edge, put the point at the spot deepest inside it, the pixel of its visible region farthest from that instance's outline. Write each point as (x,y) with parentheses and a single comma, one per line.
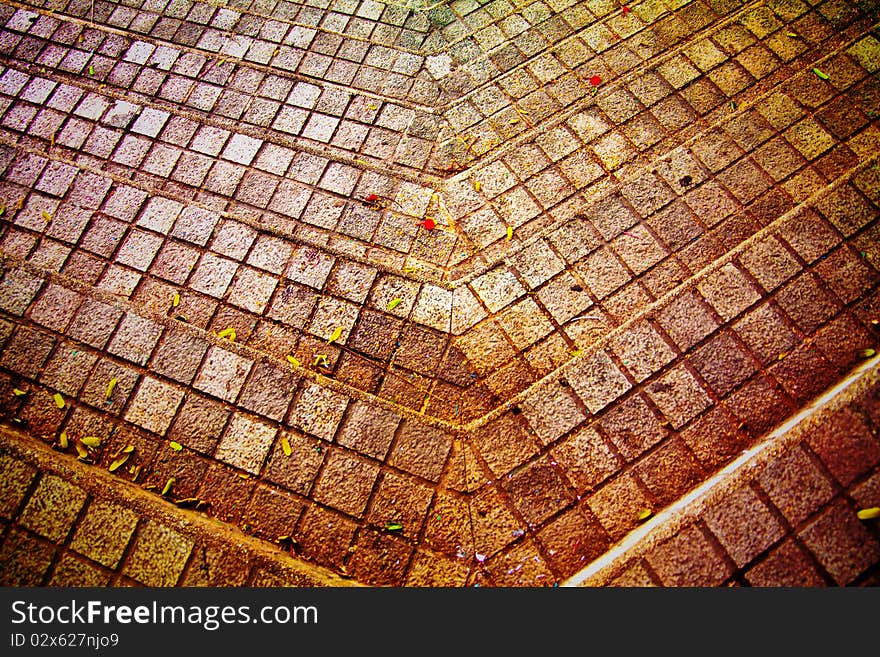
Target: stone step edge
(261,555)
(691,507)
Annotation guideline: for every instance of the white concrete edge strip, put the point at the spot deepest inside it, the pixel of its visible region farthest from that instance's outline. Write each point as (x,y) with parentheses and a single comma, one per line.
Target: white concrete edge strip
(748,457)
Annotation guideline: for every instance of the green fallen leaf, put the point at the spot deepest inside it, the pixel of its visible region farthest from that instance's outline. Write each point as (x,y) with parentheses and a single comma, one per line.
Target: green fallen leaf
(81,452)
(175,446)
(59,400)
(867,353)
(167,488)
(393,526)
(18,393)
(823,76)
(337,333)
(119,462)
(227,333)
(394,303)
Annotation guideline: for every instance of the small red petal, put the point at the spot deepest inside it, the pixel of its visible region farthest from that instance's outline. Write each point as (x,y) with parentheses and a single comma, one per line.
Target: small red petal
(369,198)
(429,224)
(625,9)
(595,80)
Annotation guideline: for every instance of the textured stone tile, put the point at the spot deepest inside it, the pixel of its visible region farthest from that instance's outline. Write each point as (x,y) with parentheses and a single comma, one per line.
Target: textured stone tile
(688,559)
(25,559)
(786,565)
(597,380)
(538,490)
(223,374)
(52,508)
(55,307)
(845,445)
(68,368)
(245,443)
(678,395)
(400,499)
(369,430)
(17,290)
(16,477)
(841,543)
(728,291)
(27,351)
(158,555)
(135,338)
(744,525)
(70,571)
(318,411)
(346,482)
(617,505)
(497,288)
(104,532)
(642,350)
(552,411)
(525,323)
(154,405)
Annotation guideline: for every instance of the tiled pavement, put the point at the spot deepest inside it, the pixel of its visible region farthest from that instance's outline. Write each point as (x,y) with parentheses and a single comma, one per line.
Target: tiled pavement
(438,293)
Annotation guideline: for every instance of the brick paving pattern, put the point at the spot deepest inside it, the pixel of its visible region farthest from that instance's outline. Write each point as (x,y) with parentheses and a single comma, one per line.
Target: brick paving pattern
(437,293)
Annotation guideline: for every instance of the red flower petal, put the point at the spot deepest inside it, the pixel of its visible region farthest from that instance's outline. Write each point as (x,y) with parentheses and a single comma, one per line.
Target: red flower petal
(369,198)
(429,224)
(625,9)
(595,80)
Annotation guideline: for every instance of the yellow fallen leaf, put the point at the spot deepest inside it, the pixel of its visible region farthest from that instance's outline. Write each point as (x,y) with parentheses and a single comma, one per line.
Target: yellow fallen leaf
(477,185)
(18,393)
(510,232)
(293,361)
(62,440)
(46,215)
(2,210)
(285,446)
(869,514)
(59,400)
(175,300)
(394,303)
(337,333)
(118,462)
(175,446)
(867,353)
(110,387)
(227,333)
(168,484)
(321,359)
(91,441)
(91,70)
(81,451)
(372,107)
(644,514)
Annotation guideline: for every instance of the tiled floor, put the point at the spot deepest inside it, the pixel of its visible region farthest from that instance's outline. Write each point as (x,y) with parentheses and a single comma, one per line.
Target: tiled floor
(442,293)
